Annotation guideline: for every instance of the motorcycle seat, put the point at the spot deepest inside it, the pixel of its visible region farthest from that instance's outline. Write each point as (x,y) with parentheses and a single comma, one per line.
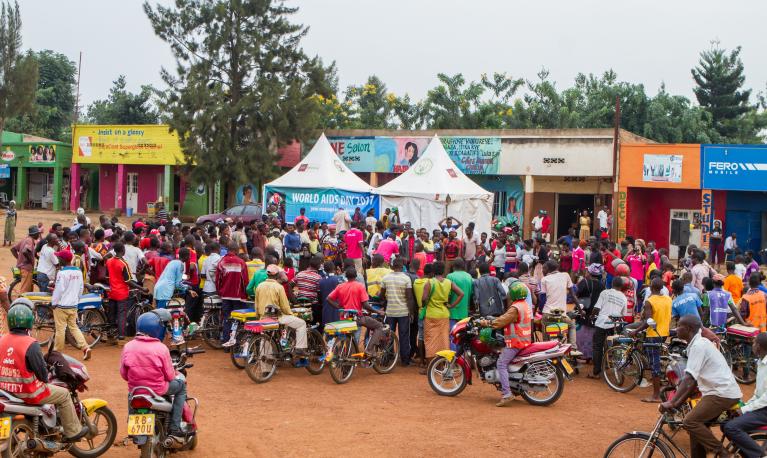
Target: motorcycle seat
(535,347)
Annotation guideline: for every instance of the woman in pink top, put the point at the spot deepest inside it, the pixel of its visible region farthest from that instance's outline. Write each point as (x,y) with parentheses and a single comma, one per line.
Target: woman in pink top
(388,247)
(579,258)
(636,261)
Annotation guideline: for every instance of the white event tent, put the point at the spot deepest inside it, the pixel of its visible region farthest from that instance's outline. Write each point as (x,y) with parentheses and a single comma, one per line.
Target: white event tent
(434,188)
(321,184)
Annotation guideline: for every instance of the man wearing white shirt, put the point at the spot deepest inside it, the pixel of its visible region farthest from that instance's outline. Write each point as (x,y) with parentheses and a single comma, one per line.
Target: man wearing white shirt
(602,218)
(611,303)
(730,247)
(537,223)
(706,368)
(46,264)
(133,254)
(755,410)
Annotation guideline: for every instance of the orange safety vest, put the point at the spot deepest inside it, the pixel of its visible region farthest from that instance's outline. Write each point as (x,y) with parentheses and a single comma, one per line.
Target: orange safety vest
(15,378)
(519,334)
(757,309)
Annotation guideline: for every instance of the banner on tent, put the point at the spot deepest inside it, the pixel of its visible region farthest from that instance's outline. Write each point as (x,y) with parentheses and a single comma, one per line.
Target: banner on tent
(322,204)
(473,155)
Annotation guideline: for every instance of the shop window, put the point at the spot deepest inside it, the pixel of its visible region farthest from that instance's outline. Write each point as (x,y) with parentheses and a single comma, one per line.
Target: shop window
(499,203)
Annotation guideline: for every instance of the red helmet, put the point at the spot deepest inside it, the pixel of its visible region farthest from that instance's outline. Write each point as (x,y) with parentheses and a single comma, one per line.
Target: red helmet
(622,270)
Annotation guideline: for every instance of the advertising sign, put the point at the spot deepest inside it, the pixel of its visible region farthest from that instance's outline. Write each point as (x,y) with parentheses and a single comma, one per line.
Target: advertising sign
(42,153)
(472,155)
(129,144)
(706,217)
(5,171)
(662,167)
(734,168)
(322,204)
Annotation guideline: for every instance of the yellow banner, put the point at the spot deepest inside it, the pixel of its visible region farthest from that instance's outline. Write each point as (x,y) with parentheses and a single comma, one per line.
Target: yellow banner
(125,144)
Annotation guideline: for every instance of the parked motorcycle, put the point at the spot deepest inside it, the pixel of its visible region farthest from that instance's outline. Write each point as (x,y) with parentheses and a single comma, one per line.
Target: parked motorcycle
(537,373)
(35,430)
(736,348)
(149,414)
(557,329)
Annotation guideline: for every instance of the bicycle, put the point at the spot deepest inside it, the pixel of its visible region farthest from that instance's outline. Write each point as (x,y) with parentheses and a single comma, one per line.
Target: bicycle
(13,288)
(658,442)
(343,353)
(211,321)
(625,361)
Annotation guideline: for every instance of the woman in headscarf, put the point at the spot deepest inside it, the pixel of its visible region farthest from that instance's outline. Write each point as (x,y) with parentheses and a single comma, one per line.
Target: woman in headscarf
(10,224)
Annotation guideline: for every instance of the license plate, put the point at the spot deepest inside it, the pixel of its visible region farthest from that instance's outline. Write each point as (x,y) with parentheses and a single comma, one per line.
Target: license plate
(141,424)
(5,427)
(567,366)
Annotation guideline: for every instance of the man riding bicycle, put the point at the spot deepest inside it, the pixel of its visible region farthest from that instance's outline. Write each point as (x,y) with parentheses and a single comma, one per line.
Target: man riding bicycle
(353,296)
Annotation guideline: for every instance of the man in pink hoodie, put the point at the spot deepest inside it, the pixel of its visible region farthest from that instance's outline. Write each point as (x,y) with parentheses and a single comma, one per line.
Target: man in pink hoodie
(145,361)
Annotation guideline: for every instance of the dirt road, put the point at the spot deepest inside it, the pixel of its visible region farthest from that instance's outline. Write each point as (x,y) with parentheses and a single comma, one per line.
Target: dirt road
(373,415)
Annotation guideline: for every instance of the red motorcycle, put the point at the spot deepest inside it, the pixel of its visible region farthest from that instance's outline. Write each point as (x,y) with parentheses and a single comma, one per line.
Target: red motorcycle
(537,373)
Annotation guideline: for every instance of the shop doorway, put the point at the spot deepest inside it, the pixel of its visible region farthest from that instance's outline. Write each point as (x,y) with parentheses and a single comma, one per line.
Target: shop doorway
(569,207)
(688,217)
(131,196)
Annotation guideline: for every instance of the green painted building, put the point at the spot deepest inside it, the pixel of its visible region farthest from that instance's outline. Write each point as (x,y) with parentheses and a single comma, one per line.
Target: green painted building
(34,171)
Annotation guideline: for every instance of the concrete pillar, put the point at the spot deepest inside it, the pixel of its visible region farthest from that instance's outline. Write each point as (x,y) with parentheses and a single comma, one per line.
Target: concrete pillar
(374,179)
(529,211)
(74,187)
(218,198)
(167,188)
(120,191)
(21,187)
(58,178)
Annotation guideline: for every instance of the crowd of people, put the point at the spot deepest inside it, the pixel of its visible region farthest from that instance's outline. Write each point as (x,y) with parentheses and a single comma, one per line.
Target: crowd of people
(426,279)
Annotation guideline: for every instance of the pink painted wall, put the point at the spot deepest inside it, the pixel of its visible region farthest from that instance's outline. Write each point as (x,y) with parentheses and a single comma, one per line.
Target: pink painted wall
(147,185)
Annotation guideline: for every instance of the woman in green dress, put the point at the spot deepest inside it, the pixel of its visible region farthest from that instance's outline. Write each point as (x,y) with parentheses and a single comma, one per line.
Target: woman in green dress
(10,224)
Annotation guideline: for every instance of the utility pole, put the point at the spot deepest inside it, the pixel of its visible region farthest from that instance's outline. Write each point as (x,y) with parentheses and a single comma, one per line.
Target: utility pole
(76,117)
(617,210)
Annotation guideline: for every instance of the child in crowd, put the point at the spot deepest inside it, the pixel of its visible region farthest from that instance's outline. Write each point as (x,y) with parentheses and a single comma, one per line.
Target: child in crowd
(733,283)
(740,266)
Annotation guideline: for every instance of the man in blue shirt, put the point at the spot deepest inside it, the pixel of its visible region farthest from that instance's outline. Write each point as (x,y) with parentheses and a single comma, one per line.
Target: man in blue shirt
(684,303)
(292,243)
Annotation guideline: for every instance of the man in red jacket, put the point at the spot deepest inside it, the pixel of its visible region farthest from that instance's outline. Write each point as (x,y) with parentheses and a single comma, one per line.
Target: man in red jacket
(231,281)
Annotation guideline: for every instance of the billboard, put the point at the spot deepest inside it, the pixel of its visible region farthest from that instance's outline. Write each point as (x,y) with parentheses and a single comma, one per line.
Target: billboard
(322,204)
(666,168)
(125,144)
(472,155)
(735,168)
(42,154)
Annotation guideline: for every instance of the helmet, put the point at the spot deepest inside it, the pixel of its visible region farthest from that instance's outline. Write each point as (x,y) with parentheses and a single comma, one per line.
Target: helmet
(622,270)
(150,324)
(517,291)
(20,315)
(164,315)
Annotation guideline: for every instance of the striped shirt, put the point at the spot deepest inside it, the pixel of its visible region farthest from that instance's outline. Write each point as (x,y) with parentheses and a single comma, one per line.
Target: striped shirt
(308,284)
(397,286)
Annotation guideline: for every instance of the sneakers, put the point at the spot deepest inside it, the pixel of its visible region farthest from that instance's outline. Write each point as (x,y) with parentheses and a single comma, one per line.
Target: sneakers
(86,353)
(229,343)
(506,400)
(576,353)
(644,383)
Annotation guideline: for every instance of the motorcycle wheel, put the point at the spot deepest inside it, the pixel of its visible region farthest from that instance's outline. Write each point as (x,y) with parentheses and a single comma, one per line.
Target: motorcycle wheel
(44,327)
(21,431)
(548,370)
(342,366)
(440,371)
(238,361)
(632,444)
(316,348)
(621,375)
(92,323)
(262,359)
(758,437)
(389,355)
(210,329)
(104,418)
(153,447)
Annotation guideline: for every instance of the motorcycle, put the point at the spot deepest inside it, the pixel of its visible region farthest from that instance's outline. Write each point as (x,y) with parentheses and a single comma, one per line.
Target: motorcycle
(557,329)
(736,348)
(35,430)
(537,372)
(149,414)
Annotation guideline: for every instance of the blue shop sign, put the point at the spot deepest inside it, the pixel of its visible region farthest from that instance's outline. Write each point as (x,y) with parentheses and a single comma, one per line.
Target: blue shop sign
(5,171)
(734,167)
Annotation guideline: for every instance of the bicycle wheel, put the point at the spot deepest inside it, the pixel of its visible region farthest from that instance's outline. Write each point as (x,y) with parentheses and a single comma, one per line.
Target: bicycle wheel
(44,326)
(316,349)
(388,354)
(621,370)
(236,351)
(743,367)
(262,358)
(210,328)
(637,445)
(92,323)
(342,365)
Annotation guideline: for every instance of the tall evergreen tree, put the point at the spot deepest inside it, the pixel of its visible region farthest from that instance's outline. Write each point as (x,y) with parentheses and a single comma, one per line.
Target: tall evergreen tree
(720,77)
(18,73)
(124,107)
(242,87)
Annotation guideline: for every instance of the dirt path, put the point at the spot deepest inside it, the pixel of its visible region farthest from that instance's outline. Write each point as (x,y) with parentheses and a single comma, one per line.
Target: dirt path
(373,415)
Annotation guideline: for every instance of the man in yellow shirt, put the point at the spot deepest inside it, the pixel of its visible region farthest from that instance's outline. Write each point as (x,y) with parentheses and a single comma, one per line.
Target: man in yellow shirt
(733,283)
(271,292)
(256,262)
(657,307)
(375,274)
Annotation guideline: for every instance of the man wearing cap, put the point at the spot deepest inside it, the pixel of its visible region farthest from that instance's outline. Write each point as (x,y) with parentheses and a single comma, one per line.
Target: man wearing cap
(66,295)
(537,223)
(24,252)
(271,292)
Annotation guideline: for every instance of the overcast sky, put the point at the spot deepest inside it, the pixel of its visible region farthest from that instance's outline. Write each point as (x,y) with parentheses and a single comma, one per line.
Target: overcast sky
(407,42)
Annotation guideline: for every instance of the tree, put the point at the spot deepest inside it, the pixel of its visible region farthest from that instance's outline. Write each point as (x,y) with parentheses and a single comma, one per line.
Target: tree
(719,77)
(372,106)
(243,86)
(18,73)
(123,107)
(55,99)
(451,105)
